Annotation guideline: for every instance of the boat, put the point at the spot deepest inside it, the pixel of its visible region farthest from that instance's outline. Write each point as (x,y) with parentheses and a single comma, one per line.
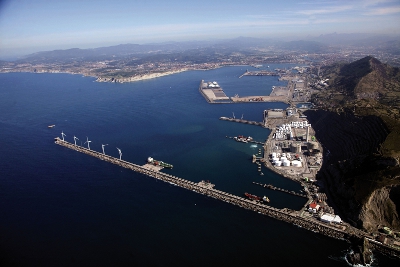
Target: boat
(252,197)
(159,163)
(51,126)
(243,139)
(265,199)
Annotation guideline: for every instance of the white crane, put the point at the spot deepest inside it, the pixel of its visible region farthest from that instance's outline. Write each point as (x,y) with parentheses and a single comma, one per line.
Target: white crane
(75,138)
(63,134)
(120,153)
(102,147)
(87,141)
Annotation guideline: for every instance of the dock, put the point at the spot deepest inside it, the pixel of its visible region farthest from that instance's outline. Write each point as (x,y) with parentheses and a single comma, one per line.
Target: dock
(213,93)
(260,73)
(242,121)
(249,141)
(207,189)
(280,189)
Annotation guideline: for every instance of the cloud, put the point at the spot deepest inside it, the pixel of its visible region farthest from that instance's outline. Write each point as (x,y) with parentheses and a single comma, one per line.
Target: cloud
(383,11)
(325,10)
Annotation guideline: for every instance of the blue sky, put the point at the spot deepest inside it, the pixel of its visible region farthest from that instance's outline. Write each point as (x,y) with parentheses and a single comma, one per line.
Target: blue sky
(34,25)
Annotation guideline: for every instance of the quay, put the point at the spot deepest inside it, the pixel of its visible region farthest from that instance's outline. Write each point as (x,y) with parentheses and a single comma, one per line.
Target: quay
(213,93)
(248,141)
(280,189)
(206,188)
(242,121)
(260,73)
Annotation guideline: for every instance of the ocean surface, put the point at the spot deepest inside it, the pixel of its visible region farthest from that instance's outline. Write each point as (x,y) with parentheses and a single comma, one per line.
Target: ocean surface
(59,207)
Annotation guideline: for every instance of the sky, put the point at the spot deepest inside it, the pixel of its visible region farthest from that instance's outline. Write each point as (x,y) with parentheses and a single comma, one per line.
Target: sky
(28,26)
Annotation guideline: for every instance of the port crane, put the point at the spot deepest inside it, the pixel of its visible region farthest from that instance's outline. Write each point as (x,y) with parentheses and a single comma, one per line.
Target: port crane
(87,141)
(120,153)
(102,147)
(63,134)
(75,138)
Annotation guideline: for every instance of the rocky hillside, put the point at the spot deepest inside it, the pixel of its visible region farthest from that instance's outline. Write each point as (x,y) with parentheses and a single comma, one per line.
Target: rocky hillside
(359,124)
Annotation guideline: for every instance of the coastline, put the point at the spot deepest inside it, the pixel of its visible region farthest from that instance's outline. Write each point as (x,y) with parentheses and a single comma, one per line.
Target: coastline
(140,77)
(134,78)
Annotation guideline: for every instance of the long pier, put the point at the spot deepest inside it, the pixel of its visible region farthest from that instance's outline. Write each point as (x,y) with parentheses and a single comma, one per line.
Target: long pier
(280,189)
(242,121)
(339,232)
(248,141)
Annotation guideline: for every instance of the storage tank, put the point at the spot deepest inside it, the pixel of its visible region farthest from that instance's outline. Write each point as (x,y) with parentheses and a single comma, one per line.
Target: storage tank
(274,154)
(295,148)
(296,163)
(278,163)
(286,163)
(283,158)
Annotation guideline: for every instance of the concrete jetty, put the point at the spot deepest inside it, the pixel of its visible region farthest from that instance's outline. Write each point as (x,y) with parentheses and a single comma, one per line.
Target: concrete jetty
(242,121)
(280,189)
(206,188)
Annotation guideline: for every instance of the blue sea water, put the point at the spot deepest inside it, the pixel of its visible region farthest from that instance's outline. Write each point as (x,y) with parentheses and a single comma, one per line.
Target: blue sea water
(59,207)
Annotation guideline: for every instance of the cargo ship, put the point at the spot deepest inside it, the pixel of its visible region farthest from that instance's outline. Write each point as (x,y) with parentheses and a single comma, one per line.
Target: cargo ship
(252,197)
(256,198)
(159,163)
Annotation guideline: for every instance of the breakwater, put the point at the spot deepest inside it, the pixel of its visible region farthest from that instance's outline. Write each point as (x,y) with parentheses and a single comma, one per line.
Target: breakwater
(289,216)
(284,215)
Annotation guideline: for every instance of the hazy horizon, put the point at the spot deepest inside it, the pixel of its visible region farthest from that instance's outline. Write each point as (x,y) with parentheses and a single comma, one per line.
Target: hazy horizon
(27,27)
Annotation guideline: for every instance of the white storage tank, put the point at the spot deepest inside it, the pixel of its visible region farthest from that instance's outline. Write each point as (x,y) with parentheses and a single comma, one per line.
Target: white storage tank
(274,154)
(278,163)
(283,154)
(283,158)
(286,163)
(296,163)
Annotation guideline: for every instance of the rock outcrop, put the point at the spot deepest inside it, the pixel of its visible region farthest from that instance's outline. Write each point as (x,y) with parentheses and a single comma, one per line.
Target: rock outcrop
(363,184)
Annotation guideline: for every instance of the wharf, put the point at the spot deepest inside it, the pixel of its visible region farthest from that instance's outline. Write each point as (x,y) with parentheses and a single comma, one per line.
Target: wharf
(214,94)
(280,189)
(242,121)
(260,73)
(207,189)
(248,141)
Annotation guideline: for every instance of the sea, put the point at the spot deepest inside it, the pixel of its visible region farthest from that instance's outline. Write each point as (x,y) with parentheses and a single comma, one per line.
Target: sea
(59,207)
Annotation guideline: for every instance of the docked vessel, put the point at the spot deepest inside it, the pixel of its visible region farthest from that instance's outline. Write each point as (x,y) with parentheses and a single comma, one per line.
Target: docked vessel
(242,138)
(159,163)
(252,197)
(266,199)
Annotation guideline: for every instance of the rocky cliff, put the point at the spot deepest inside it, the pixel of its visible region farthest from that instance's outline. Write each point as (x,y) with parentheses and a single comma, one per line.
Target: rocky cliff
(363,184)
(359,127)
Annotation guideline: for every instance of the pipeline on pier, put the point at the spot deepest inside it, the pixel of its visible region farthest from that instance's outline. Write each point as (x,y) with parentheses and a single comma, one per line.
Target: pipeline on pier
(207,189)
(281,189)
(242,121)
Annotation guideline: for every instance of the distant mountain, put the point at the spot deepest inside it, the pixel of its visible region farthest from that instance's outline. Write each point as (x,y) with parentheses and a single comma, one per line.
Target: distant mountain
(243,44)
(367,78)
(118,51)
(353,39)
(305,46)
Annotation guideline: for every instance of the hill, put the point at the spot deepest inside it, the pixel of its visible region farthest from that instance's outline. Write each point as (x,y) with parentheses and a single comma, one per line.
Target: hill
(359,123)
